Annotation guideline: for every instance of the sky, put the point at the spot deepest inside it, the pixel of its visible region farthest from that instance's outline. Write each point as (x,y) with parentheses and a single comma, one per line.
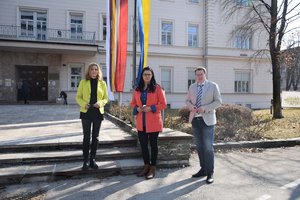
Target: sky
(294,24)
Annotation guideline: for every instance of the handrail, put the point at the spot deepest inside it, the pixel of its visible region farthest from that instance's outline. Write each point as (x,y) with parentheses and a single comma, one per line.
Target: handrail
(47,34)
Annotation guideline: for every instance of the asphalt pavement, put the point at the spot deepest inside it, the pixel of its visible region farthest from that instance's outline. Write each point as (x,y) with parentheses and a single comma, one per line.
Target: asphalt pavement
(270,174)
(249,174)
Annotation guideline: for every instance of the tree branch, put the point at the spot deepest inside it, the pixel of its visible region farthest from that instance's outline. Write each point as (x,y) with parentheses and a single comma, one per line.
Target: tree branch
(282,25)
(267,6)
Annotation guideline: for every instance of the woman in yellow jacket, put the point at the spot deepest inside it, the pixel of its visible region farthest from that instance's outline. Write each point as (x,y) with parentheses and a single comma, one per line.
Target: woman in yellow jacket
(91,97)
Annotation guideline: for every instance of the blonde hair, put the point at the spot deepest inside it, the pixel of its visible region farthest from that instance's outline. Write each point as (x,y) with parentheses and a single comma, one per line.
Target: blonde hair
(87,73)
(200,68)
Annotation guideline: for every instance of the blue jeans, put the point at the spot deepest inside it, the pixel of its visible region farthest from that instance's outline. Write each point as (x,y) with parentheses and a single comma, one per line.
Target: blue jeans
(204,138)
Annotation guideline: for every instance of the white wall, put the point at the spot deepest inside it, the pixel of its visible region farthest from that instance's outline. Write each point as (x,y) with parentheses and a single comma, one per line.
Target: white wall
(57,10)
(222,59)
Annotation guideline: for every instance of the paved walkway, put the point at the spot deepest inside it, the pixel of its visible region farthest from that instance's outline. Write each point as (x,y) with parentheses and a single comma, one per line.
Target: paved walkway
(38,124)
(270,175)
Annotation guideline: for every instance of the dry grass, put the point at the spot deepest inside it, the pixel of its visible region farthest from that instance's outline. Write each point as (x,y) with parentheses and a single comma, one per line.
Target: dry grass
(287,127)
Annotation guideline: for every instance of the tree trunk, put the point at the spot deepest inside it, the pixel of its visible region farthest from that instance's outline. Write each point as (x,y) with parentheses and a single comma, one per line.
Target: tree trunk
(295,84)
(288,80)
(275,45)
(277,110)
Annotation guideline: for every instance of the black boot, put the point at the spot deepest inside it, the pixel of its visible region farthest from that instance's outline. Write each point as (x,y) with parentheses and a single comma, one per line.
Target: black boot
(93,164)
(85,165)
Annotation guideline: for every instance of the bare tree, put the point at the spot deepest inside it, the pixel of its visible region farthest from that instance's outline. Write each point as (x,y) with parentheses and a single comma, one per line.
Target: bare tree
(290,67)
(274,17)
(290,61)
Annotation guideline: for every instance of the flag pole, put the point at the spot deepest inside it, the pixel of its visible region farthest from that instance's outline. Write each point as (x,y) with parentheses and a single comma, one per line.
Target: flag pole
(134,47)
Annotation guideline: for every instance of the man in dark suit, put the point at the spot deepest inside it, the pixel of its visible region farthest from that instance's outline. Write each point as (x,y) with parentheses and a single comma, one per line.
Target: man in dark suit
(64,96)
(25,91)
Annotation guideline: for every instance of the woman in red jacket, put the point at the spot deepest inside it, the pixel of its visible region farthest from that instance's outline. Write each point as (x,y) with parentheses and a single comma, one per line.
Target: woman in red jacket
(147,102)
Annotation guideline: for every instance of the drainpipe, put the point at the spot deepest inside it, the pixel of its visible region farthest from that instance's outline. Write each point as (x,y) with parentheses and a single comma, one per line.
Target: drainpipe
(134,48)
(205,38)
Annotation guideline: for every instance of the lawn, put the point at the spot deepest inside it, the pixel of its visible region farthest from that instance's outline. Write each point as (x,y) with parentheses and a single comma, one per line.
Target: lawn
(287,127)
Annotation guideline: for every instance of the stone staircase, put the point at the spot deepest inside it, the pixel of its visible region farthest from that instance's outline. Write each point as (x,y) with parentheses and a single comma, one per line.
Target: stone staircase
(45,143)
(48,162)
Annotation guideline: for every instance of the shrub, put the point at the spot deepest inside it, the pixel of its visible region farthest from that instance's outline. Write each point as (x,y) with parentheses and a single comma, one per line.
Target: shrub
(176,123)
(238,123)
(123,112)
(184,113)
(234,123)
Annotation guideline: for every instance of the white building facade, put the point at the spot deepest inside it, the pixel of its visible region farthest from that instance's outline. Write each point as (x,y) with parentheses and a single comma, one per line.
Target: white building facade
(50,44)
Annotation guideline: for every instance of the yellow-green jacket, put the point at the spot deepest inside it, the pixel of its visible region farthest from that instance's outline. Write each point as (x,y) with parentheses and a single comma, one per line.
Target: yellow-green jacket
(84,94)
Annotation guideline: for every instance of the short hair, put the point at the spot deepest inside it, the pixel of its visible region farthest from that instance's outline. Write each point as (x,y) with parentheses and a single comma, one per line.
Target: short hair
(200,68)
(87,73)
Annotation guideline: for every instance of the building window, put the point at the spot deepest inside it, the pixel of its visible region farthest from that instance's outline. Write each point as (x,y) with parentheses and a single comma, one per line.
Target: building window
(242,41)
(137,31)
(104,27)
(166,33)
(131,30)
(76,24)
(166,79)
(242,82)
(104,75)
(75,75)
(33,24)
(191,77)
(243,2)
(194,1)
(193,35)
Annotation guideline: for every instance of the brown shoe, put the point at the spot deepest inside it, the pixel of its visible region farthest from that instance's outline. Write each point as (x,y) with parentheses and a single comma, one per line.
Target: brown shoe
(151,173)
(145,171)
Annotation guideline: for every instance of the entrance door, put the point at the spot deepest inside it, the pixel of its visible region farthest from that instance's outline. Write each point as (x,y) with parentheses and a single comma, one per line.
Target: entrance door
(37,79)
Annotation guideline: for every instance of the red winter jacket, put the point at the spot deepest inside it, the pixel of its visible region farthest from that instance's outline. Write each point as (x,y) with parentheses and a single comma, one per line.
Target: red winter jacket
(153,120)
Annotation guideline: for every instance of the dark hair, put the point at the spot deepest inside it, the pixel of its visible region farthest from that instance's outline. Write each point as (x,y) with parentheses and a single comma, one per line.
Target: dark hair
(152,84)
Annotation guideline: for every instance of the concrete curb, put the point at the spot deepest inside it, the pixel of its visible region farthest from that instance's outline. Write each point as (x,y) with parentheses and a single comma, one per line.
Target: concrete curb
(223,145)
(123,125)
(258,144)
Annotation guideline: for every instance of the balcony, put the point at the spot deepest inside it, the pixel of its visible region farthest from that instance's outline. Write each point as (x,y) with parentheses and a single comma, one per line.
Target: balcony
(59,41)
(47,35)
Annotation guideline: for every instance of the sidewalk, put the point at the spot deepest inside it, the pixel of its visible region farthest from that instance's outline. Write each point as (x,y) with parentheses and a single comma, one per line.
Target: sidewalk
(40,124)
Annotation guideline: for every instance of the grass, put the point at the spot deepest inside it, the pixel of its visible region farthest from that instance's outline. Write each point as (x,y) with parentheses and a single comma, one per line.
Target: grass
(287,127)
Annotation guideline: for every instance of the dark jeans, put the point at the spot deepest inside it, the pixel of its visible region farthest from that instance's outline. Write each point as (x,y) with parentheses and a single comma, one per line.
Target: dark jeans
(86,126)
(25,97)
(204,138)
(65,101)
(144,138)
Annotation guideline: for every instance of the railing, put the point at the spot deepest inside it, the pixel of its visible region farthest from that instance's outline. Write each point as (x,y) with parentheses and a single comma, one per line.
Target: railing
(46,34)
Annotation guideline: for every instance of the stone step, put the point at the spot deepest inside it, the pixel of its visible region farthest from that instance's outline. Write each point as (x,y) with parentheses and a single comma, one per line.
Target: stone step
(65,170)
(66,156)
(34,147)
(58,171)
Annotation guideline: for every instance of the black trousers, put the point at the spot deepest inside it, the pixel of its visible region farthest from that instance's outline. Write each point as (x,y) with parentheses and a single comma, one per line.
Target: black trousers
(87,145)
(144,138)
(65,101)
